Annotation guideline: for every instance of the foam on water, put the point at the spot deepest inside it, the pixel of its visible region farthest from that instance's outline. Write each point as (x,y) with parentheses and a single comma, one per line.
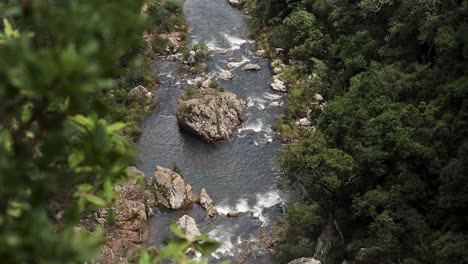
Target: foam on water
(255,126)
(225,237)
(234,42)
(271,96)
(264,201)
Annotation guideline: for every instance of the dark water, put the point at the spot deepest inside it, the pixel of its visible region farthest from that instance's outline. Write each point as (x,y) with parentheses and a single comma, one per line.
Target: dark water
(239,174)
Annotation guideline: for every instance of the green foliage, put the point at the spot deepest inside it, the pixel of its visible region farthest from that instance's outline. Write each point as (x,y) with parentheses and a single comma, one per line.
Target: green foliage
(165,15)
(390,144)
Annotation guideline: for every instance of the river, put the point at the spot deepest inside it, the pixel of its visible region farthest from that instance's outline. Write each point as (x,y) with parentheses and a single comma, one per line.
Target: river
(240,174)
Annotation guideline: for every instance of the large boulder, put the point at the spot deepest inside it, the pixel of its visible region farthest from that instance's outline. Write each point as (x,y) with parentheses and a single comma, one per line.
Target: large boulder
(188,225)
(171,190)
(211,114)
(305,261)
(207,203)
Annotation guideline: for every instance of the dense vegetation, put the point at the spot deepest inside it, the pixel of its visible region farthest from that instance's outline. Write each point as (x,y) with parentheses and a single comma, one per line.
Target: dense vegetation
(386,165)
(67,119)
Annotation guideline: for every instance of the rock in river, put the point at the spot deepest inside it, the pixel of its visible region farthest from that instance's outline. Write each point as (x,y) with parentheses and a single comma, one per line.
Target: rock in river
(188,226)
(207,203)
(252,67)
(279,86)
(226,75)
(171,190)
(210,114)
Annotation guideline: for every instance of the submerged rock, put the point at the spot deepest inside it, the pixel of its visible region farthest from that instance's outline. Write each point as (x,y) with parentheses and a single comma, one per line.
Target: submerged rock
(226,75)
(305,261)
(252,67)
(211,114)
(207,203)
(171,190)
(188,226)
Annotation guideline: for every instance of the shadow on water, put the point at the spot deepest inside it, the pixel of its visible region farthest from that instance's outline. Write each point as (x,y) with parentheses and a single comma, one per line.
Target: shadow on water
(239,174)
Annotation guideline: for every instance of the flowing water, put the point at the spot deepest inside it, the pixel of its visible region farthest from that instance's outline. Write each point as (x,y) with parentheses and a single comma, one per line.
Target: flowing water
(240,174)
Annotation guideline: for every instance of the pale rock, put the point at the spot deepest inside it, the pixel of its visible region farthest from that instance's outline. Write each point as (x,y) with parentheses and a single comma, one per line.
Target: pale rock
(207,203)
(234,59)
(188,225)
(139,90)
(226,75)
(224,51)
(279,86)
(207,83)
(149,95)
(236,3)
(277,70)
(304,122)
(252,67)
(233,214)
(261,53)
(275,104)
(171,190)
(211,116)
(318,97)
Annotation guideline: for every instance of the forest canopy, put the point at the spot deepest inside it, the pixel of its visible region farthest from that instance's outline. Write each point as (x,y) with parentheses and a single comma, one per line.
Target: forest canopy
(385,165)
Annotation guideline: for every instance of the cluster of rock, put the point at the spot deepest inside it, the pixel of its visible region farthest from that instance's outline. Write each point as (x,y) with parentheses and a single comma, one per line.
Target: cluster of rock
(126,232)
(278,84)
(212,114)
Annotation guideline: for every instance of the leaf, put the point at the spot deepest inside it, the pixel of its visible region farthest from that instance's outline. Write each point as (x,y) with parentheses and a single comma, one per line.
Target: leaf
(205,244)
(174,249)
(9,31)
(144,257)
(95,200)
(108,190)
(177,231)
(115,127)
(75,158)
(6,140)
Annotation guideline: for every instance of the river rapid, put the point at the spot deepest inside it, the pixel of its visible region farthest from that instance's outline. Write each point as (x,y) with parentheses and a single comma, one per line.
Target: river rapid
(239,174)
